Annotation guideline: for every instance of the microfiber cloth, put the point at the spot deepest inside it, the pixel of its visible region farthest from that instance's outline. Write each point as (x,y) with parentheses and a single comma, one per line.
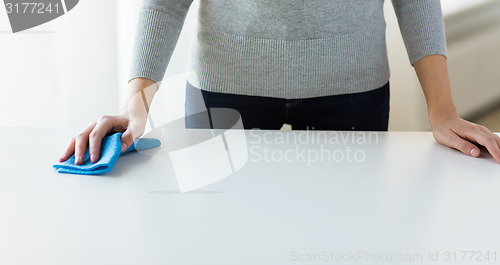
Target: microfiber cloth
(110,151)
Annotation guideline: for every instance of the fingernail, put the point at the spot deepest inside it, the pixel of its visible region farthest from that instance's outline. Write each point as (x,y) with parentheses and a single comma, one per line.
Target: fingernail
(92,158)
(78,159)
(124,147)
(474,152)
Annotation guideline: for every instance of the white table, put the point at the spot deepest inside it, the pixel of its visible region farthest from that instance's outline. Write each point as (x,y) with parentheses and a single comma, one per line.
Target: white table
(408,196)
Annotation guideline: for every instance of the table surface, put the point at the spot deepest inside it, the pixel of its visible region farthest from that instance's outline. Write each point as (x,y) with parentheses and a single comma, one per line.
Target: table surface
(400,197)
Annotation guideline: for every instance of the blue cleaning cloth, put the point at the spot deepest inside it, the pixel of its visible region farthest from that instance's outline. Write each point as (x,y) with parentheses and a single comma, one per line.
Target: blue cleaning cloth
(110,151)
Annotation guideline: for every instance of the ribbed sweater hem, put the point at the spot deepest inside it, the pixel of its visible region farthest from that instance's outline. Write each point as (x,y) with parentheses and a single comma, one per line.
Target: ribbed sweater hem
(340,64)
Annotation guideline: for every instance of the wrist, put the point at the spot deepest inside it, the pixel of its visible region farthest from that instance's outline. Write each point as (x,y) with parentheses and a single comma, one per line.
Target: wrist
(140,94)
(134,114)
(441,114)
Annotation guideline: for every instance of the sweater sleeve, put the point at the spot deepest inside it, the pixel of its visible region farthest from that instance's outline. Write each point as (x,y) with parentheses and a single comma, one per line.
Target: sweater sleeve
(158,29)
(422,27)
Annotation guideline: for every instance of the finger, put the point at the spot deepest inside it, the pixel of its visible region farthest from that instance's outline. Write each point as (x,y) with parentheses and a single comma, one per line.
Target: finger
(455,141)
(127,139)
(70,149)
(102,127)
(478,135)
(133,132)
(491,145)
(495,137)
(81,143)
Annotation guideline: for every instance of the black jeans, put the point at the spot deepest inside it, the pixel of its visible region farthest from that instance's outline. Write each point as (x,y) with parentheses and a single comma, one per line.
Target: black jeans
(365,111)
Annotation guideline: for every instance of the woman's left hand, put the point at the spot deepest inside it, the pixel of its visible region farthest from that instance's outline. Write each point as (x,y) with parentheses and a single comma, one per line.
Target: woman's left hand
(452,131)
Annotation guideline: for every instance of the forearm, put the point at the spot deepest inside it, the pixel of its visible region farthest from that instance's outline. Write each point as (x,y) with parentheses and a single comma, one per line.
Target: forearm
(432,72)
(449,129)
(139,97)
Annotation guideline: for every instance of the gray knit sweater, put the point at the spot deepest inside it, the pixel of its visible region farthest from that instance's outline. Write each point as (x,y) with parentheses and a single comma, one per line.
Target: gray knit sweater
(286,48)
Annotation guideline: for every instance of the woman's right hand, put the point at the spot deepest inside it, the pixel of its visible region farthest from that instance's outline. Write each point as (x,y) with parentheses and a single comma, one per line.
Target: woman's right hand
(92,136)
(131,122)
